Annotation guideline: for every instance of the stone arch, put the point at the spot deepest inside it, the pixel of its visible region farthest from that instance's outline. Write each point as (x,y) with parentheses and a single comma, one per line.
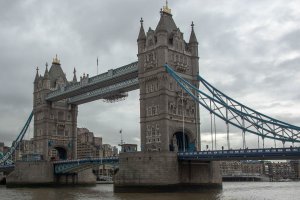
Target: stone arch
(62,153)
(182,140)
(3,181)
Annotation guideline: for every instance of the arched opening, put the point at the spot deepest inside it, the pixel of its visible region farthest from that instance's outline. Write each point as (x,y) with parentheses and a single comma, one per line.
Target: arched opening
(181,141)
(59,153)
(3,181)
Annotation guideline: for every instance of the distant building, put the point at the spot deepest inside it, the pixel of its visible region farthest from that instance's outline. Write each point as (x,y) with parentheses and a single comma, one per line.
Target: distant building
(90,146)
(275,171)
(87,144)
(295,164)
(108,151)
(242,170)
(282,170)
(230,167)
(25,147)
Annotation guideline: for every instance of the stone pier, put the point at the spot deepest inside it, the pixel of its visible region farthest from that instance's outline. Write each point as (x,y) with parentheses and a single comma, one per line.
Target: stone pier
(41,173)
(162,172)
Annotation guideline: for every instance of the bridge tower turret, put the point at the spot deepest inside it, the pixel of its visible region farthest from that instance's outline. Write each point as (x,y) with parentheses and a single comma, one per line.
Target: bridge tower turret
(55,123)
(141,38)
(169,117)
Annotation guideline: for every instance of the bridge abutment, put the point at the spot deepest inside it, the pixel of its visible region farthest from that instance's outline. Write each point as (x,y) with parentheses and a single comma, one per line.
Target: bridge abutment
(162,172)
(41,173)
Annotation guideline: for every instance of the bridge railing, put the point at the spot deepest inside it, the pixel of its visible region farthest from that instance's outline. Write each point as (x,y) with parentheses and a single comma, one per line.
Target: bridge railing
(85,160)
(241,153)
(66,166)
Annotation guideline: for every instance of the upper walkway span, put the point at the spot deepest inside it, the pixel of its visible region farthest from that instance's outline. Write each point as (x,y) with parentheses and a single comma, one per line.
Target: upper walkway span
(112,77)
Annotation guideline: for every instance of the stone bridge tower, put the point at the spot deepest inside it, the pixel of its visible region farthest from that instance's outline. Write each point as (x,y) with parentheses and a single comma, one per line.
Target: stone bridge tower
(55,123)
(169,117)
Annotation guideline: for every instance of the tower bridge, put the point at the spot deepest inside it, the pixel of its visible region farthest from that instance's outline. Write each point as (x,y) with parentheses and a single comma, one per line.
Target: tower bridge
(167,76)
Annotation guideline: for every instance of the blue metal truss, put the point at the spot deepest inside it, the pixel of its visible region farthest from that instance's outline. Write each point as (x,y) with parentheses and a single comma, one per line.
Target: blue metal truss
(7,168)
(71,166)
(5,160)
(235,113)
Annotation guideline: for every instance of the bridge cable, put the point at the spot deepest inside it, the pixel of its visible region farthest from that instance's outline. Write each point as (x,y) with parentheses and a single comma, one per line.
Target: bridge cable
(211,130)
(183,136)
(198,147)
(227,129)
(199,125)
(243,133)
(215,126)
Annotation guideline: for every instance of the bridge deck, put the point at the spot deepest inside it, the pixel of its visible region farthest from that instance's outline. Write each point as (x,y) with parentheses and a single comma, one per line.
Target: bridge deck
(243,154)
(68,166)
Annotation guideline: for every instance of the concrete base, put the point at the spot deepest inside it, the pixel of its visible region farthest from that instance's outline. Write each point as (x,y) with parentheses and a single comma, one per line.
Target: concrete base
(161,172)
(41,173)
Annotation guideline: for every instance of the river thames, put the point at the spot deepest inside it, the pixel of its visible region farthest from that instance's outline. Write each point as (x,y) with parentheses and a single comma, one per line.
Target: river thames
(230,191)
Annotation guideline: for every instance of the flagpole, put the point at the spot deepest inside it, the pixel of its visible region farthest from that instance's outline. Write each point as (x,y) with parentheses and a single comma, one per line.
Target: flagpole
(121,136)
(97,66)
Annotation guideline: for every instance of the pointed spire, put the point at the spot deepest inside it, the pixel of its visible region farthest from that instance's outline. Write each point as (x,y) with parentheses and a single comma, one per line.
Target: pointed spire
(46,75)
(142,35)
(37,74)
(193,38)
(166,8)
(161,26)
(166,22)
(74,77)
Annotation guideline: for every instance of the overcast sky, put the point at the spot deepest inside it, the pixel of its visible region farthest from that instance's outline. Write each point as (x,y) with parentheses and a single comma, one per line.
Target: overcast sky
(249,49)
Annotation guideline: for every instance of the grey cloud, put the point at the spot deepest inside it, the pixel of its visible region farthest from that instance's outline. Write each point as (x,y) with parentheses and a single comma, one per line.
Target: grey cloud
(235,55)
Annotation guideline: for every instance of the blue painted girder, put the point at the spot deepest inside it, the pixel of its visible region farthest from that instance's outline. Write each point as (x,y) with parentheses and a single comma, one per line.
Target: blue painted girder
(234,113)
(69,166)
(242,154)
(16,143)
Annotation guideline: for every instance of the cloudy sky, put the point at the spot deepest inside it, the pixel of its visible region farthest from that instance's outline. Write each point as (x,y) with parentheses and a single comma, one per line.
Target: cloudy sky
(248,49)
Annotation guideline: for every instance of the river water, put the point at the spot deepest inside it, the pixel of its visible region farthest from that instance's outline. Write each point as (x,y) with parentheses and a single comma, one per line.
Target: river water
(230,191)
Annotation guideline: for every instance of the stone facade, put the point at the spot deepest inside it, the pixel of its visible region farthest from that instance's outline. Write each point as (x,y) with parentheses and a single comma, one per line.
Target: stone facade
(55,123)
(163,105)
(138,169)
